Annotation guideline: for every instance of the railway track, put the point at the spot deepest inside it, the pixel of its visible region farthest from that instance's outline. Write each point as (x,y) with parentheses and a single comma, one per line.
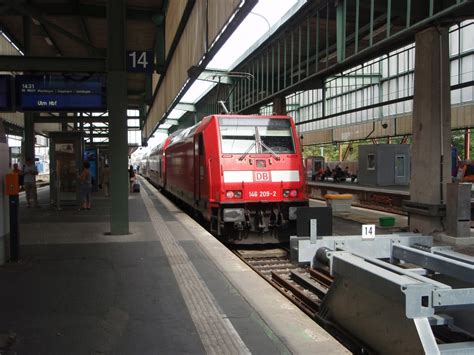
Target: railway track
(304,286)
(296,283)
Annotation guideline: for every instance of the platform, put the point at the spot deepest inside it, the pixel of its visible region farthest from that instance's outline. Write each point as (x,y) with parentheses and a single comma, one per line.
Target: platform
(384,198)
(169,287)
(348,186)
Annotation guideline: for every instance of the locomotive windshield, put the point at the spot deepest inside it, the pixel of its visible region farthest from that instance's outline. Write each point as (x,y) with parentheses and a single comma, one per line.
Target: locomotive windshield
(256,135)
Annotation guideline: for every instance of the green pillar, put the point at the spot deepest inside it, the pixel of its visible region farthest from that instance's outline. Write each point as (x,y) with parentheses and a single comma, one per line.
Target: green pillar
(29,136)
(117,107)
(341,29)
(29,125)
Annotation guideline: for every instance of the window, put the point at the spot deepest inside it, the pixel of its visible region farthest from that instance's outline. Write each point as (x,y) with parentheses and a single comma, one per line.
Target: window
(370,161)
(399,165)
(256,135)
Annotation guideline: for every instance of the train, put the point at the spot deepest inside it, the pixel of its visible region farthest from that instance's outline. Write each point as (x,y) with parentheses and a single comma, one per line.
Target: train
(243,175)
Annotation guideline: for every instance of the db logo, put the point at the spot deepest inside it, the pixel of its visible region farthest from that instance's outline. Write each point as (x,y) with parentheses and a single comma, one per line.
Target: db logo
(262,176)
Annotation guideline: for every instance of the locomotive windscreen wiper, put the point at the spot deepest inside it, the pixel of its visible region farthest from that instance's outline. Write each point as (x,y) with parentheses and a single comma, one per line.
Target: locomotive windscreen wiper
(260,143)
(275,155)
(242,157)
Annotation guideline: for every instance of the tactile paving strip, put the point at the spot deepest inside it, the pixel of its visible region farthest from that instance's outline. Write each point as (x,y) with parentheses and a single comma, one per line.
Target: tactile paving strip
(217,333)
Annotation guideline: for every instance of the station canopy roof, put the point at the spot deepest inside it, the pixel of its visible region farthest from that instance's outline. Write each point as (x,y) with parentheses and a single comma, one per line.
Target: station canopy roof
(78,29)
(183,34)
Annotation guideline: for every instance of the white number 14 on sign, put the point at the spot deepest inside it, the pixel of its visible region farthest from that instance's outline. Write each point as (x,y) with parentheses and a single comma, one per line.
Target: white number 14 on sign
(368,231)
(141,60)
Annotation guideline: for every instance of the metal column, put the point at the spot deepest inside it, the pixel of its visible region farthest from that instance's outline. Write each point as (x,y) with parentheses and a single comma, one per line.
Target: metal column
(117,106)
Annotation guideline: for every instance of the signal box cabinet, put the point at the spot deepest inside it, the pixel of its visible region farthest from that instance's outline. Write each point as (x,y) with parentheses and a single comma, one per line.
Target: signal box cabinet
(384,164)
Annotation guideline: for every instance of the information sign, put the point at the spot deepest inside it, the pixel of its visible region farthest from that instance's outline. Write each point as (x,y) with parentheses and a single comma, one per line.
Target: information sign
(368,231)
(140,61)
(60,93)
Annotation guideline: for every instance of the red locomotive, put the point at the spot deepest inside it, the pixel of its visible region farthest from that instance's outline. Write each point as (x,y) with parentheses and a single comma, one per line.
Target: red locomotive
(243,174)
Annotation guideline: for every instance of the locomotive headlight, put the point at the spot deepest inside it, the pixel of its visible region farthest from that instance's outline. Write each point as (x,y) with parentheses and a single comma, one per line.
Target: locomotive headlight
(233,194)
(290,193)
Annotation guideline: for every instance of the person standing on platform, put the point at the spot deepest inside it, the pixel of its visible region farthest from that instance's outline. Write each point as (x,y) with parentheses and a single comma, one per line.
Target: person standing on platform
(29,179)
(105,182)
(131,177)
(86,186)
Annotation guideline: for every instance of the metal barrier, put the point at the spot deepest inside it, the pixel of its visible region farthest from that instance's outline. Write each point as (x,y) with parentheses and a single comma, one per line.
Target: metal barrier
(396,293)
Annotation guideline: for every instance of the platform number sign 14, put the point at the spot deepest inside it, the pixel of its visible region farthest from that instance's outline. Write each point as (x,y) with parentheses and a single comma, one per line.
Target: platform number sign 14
(368,231)
(140,61)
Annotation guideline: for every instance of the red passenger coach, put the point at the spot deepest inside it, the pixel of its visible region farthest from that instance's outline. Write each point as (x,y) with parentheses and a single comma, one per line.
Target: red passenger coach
(156,165)
(243,174)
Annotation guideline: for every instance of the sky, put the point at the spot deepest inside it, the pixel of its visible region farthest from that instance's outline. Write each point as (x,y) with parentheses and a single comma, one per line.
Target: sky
(256,26)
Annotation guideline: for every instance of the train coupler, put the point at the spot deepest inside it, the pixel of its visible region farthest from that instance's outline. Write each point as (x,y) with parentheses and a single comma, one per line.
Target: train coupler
(248,225)
(261,222)
(280,219)
(273,220)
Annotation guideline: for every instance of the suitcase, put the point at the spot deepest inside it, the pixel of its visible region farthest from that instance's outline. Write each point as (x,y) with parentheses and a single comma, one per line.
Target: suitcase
(136,187)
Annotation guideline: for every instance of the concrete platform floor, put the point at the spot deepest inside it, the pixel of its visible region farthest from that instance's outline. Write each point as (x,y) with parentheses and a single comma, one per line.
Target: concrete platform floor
(167,288)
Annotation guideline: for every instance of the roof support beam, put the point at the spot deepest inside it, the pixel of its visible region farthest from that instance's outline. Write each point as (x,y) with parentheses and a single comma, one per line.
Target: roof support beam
(68,119)
(84,30)
(52,64)
(87,10)
(52,42)
(29,10)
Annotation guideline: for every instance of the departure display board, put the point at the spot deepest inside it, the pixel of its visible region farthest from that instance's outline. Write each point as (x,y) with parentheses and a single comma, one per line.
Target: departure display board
(5,93)
(60,93)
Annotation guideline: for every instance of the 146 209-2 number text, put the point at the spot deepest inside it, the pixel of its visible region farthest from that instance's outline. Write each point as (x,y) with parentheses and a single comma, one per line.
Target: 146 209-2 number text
(262,194)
